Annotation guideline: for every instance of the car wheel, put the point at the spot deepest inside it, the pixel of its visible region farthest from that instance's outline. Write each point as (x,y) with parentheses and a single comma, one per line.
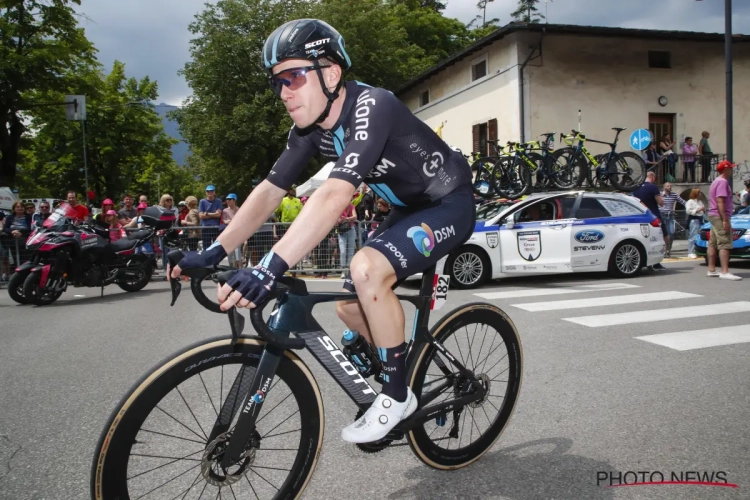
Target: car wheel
(626,260)
(468,267)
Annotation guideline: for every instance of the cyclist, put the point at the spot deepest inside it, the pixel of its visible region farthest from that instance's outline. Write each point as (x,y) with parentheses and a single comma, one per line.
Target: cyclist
(375,139)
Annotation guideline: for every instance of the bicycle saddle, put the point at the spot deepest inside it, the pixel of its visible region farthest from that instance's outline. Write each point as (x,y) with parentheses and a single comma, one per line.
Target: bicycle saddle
(619,129)
(548,134)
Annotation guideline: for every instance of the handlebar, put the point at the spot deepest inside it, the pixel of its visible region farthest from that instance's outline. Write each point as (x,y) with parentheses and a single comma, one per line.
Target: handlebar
(196,275)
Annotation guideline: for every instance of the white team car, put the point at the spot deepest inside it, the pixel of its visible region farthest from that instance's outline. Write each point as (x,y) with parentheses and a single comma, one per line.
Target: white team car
(553,233)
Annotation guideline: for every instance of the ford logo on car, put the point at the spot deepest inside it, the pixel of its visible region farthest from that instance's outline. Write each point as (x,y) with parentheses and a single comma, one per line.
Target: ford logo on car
(589,236)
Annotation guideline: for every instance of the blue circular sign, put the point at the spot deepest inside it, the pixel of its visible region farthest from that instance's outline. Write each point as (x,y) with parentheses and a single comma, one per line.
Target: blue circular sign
(640,139)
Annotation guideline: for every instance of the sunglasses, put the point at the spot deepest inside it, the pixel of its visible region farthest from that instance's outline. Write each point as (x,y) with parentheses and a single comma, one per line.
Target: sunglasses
(292,78)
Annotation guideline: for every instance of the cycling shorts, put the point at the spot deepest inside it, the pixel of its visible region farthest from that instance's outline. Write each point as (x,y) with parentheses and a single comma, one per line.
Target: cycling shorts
(413,239)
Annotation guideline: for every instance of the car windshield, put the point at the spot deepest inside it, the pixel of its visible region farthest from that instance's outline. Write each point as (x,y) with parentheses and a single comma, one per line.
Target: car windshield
(491,209)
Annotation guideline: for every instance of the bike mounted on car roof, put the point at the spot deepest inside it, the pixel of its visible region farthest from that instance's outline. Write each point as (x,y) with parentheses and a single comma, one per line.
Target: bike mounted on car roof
(451,378)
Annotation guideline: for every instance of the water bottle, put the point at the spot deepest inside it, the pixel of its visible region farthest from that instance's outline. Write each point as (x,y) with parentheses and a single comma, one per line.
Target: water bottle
(360,353)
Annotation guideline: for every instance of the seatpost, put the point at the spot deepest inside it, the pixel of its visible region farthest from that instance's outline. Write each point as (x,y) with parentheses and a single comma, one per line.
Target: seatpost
(428,279)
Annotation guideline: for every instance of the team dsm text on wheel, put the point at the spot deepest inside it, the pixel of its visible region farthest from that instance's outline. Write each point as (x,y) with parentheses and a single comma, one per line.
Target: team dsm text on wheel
(242,416)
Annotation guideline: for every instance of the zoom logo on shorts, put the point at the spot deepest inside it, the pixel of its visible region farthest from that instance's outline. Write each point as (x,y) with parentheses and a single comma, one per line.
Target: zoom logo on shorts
(424,239)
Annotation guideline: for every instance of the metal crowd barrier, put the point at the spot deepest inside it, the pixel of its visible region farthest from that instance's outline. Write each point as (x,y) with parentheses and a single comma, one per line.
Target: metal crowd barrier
(331,257)
(700,169)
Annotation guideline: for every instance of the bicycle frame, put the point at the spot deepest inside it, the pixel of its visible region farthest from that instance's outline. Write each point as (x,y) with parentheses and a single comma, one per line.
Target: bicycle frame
(292,314)
(581,148)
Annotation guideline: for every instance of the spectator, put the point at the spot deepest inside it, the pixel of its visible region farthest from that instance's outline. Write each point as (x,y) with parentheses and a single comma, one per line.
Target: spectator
(382,209)
(143,199)
(129,212)
(667,214)
(137,220)
(101,217)
(704,150)
(16,229)
(696,211)
(115,228)
(347,237)
(192,219)
(235,258)
(183,211)
(720,215)
(745,195)
(288,210)
(166,202)
(4,250)
(651,157)
(209,210)
(44,213)
(665,149)
(31,210)
(82,212)
(688,160)
(650,197)
(364,213)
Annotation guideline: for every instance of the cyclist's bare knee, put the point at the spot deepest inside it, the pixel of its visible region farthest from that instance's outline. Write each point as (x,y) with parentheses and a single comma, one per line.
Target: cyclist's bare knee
(371,271)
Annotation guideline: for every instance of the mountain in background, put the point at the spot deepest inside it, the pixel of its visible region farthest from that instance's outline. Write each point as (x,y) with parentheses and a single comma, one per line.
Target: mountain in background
(179,150)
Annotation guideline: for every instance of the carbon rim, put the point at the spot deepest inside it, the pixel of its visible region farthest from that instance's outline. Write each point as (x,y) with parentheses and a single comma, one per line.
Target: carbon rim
(628,259)
(468,268)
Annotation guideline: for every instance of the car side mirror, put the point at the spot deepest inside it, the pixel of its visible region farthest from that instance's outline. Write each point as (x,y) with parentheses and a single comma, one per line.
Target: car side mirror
(509,223)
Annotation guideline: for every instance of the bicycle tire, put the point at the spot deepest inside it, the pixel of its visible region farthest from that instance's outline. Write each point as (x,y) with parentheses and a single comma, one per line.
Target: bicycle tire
(510,179)
(627,175)
(109,471)
(572,162)
(482,179)
(419,441)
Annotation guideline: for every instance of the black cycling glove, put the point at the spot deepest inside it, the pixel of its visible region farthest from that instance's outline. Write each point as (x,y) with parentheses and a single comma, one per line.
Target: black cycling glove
(211,256)
(256,283)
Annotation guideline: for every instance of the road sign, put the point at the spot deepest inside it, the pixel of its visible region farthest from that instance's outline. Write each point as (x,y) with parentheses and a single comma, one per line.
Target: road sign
(640,139)
(75,107)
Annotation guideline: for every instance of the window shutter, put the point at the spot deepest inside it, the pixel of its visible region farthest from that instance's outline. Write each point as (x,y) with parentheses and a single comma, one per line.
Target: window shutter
(492,129)
(475,138)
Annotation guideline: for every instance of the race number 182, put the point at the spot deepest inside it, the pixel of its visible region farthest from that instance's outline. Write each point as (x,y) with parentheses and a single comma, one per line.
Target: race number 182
(439,291)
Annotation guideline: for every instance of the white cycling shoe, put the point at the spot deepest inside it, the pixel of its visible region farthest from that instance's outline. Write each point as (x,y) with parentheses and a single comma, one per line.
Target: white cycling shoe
(379,419)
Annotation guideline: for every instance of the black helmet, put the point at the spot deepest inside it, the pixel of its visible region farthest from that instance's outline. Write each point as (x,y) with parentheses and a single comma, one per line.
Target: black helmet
(305,39)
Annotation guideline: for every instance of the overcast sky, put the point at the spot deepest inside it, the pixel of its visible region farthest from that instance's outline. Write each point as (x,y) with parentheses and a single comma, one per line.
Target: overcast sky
(151,36)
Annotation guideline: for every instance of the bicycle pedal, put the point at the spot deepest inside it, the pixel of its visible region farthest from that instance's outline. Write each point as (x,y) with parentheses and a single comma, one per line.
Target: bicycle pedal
(394,436)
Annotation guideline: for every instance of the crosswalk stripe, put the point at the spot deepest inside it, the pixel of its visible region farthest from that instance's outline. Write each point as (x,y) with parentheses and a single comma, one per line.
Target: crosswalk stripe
(539,292)
(699,339)
(604,301)
(661,314)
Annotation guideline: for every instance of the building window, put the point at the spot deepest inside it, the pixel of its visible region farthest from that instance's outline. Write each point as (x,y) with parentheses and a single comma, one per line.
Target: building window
(480,133)
(661,59)
(479,70)
(424,98)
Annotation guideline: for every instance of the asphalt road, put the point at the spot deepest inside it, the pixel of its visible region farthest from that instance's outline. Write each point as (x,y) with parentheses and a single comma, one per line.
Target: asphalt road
(595,398)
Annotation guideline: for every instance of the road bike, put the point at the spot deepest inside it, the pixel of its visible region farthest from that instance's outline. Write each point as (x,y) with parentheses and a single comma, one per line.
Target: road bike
(624,171)
(551,169)
(170,438)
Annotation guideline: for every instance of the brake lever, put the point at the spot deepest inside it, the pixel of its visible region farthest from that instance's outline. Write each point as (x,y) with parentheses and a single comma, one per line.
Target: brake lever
(174,258)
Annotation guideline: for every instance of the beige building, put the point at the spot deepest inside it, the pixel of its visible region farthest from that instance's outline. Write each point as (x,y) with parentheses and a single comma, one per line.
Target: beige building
(527,79)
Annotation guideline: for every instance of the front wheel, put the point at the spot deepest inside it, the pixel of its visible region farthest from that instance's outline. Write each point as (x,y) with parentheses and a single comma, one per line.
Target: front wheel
(485,341)
(511,179)
(156,440)
(626,171)
(34,293)
(15,287)
(482,183)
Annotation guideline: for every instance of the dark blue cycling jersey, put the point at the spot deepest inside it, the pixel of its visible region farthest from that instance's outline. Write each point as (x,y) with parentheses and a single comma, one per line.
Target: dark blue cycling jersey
(378,141)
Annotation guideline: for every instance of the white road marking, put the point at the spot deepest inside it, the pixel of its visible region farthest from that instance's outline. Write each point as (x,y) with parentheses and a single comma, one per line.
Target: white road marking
(627,318)
(539,292)
(699,339)
(605,301)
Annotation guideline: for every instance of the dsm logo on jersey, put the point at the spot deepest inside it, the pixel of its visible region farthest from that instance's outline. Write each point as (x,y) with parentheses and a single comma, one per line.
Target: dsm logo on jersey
(589,236)
(424,238)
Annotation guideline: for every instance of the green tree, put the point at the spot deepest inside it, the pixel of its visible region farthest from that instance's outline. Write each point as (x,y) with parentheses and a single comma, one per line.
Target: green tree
(41,50)
(434,5)
(527,12)
(482,6)
(125,141)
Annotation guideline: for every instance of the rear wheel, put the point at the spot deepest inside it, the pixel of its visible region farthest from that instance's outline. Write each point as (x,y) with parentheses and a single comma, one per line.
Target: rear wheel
(156,440)
(626,260)
(482,183)
(571,169)
(626,171)
(511,179)
(485,341)
(139,280)
(15,287)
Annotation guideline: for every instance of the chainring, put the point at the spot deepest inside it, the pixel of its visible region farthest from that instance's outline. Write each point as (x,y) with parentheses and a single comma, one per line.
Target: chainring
(375,446)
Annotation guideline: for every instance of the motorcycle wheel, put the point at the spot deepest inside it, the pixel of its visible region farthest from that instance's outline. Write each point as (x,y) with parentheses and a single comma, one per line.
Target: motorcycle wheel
(15,287)
(33,293)
(137,284)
